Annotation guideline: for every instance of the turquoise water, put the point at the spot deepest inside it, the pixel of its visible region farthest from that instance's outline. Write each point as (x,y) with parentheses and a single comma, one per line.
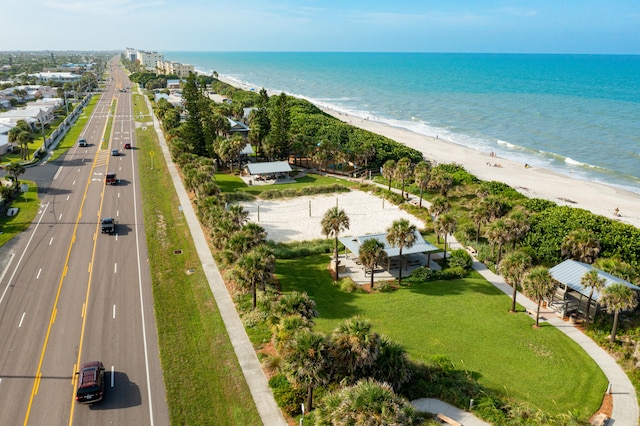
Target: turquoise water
(575,114)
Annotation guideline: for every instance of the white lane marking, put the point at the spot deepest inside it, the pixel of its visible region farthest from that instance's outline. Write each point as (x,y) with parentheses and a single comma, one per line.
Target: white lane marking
(68,196)
(117,213)
(79,169)
(74,182)
(60,217)
(21,319)
(38,275)
(118,195)
(113,377)
(57,173)
(51,241)
(115,268)
(114,311)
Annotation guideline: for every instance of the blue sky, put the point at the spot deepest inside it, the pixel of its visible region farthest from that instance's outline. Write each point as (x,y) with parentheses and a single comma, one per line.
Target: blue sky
(501,26)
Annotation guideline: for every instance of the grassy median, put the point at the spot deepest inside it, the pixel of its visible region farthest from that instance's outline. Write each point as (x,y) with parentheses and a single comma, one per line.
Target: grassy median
(203,379)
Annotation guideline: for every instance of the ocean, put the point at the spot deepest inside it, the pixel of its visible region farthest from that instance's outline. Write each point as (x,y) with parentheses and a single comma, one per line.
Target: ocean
(578,115)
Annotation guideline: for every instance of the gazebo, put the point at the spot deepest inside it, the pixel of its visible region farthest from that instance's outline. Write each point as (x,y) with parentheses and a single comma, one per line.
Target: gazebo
(420,246)
(274,170)
(571,291)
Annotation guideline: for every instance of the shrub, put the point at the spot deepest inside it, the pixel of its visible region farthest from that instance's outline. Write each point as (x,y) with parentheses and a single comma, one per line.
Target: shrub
(460,258)
(384,287)
(422,274)
(452,273)
(349,286)
(286,395)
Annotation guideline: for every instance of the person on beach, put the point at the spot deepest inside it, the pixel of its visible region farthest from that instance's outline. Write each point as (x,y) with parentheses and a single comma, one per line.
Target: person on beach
(616,212)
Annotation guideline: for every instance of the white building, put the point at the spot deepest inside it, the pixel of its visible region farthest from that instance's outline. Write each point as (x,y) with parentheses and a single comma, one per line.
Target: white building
(175,68)
(60,77)
(149,59)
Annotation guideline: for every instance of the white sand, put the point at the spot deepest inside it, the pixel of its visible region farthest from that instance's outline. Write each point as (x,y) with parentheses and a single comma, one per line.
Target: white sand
(287,220)
(534,182)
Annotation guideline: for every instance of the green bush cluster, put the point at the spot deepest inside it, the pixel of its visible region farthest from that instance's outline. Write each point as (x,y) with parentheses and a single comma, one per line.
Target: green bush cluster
(299,249)
(286,395)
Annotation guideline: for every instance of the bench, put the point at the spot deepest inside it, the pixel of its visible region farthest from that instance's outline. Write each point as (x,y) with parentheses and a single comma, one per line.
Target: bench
(448,420)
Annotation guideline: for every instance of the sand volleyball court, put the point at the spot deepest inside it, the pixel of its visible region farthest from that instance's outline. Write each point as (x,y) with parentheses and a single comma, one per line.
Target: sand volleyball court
(298,219)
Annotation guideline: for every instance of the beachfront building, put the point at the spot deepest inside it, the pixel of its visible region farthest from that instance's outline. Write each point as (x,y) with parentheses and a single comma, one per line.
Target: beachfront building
(149,59)
(174,68)
(572,297)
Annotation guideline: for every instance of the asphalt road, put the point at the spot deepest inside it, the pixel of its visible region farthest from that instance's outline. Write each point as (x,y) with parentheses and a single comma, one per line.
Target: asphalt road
(69,294)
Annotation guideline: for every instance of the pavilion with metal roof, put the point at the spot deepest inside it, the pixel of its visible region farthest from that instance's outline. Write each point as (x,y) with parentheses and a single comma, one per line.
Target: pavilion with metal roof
(420,246)
(569,274)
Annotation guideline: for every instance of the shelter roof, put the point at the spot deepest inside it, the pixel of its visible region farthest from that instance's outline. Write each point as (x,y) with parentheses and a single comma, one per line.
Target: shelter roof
(268,168)
(419,246)
(570,273)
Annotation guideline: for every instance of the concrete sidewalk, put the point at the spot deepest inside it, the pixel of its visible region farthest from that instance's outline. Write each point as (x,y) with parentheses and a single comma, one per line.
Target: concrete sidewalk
(435,406)
(254,375)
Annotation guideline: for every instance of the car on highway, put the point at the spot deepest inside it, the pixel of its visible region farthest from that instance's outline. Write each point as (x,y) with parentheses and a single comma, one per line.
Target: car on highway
(90,382)
(82,142)
(108,225)
(115,152)
(110,179)
(127,146)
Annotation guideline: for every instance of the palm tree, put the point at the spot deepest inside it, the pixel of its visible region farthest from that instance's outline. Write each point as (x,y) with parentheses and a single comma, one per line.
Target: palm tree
(334,221)
(366,403)
(388,171)
(441,180)
(237,214)
(403,171)
(392,365)
(445,225)
(615,298)
(421,175)
(580,245)
(498,234)
(592,281)
(254,268)
(480,215)
(23,136)
(513,268)
(518,224)
(439,204)
(539,285)
(371,251)
(401,234)
(307,362)
(355,348)
(15,169)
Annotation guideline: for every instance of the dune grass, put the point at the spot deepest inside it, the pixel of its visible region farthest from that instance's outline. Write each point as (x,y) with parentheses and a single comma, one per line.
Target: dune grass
(467,321)
(203,379)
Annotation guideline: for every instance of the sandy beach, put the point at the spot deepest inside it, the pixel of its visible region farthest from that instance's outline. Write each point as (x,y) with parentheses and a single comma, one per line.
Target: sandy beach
(534,182)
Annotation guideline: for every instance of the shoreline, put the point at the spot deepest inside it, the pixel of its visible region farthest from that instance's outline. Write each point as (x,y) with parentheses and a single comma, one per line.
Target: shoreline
(534,182)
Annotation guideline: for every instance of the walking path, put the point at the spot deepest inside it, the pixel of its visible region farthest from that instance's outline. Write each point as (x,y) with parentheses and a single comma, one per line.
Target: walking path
(254,375)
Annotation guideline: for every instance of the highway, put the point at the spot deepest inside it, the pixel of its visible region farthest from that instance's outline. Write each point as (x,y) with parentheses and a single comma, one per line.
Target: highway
(70,294)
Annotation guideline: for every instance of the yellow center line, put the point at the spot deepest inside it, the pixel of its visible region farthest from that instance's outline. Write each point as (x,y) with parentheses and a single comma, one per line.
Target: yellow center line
(38,375)
(86,301)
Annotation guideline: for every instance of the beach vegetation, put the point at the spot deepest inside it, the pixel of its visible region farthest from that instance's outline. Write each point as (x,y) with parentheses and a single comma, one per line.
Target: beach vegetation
(334,221)
(616,298)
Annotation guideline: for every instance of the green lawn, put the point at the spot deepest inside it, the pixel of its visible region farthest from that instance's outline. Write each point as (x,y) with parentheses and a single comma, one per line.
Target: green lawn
(28,207)
(203,379)
(468,321)
(230,183)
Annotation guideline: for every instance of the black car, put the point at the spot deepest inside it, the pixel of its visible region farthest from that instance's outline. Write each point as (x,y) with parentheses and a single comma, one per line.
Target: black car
(90,382)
